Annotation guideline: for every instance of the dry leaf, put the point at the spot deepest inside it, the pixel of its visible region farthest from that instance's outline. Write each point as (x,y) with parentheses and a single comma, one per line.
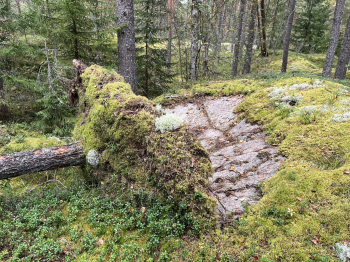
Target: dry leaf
(192,165)
(130,209)
(66,252)
(232,168)
(298,198)
(143,209)
(346,172)
(102,183)
(314,240)
(100,242)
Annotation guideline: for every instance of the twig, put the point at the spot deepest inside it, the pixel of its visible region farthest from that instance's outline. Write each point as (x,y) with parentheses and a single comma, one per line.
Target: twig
(46,182)
(217,198)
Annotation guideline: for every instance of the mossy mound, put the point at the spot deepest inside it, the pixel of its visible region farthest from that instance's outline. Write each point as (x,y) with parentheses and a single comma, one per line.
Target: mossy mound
(120,126)
(305,208)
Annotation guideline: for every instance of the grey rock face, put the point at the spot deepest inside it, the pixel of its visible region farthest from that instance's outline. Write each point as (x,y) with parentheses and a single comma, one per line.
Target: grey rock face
(238,152)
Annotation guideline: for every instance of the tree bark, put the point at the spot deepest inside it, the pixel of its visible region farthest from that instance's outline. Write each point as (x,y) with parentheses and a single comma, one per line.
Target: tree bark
(219,32)
(18,6)
(333,41)
(344,56)
(248,58)
(170,33)
(33,161)
(274,20)
(126,43)
(286,39)
(234,25)
(195,14)
(238,42)
(263,29)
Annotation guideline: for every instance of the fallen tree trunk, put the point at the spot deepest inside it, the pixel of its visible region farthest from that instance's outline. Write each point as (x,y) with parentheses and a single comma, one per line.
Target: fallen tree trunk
(32,161)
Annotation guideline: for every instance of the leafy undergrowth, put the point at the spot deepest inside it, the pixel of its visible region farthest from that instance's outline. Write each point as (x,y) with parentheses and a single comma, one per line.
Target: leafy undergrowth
(84,223)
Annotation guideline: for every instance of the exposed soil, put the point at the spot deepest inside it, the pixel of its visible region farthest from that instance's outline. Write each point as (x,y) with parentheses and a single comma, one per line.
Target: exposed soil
(238,152)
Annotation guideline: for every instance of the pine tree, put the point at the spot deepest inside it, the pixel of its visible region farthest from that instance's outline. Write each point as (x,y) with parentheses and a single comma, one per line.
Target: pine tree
(311,26)
(152,68)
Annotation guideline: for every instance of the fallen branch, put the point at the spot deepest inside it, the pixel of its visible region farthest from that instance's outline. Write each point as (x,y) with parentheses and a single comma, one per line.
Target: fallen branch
(33,161)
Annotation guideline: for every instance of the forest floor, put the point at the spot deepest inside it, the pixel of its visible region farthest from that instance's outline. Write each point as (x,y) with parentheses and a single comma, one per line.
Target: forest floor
(279,139)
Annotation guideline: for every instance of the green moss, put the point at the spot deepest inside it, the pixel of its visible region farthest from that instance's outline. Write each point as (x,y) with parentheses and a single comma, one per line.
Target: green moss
(29,143)
(120,126)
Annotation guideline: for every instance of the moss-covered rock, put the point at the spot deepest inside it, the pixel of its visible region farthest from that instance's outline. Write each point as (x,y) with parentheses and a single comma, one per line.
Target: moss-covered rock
(120,126)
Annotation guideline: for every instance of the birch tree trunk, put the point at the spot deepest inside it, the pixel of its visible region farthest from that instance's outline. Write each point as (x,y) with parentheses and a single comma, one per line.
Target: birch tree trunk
(126,43)
(195,14)
(286,39)
(344,57)
(238,41)
(248,58)
(333,41)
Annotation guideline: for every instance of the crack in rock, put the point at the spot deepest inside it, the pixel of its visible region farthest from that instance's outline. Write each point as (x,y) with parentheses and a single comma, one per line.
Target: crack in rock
(238,152)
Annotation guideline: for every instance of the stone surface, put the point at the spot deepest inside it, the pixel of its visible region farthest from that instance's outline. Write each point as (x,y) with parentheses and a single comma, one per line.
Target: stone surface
(238,152)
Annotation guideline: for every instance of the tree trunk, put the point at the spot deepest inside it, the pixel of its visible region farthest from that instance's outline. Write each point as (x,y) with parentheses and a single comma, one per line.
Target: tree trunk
(234,25)
(274,20)
(263,29)
(33,161)
(344,57)
(195,14)
(238,42)
(126,43)
(76,44)
(333,41)
(219,31)
(248,58)
(18,6)
(170,33)
(2,91)
(259,27)
(286,39)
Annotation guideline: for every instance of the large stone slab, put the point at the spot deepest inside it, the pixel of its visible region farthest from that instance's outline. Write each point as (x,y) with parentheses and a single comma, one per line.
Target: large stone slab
(238,152)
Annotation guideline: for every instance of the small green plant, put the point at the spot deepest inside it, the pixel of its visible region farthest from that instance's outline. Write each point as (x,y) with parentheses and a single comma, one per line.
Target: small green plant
(285,110)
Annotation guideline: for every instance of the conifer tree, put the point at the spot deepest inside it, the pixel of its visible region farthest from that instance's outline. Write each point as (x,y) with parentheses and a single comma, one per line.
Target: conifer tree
(152,68)
(311,26)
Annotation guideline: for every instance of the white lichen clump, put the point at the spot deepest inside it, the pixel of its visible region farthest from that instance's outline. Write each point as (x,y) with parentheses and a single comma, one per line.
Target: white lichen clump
(300,86)
(343,252)
(345,102)
(303,86)
(93,158)
(283,96)
(345,117)
(168,122)
(159,108)
(342,91)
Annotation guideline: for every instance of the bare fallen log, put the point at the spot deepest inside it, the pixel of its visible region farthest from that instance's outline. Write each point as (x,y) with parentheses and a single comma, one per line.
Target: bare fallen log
(26,162)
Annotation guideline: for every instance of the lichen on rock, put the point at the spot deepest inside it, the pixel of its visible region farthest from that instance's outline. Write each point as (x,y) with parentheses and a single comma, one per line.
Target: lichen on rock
(120,126)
